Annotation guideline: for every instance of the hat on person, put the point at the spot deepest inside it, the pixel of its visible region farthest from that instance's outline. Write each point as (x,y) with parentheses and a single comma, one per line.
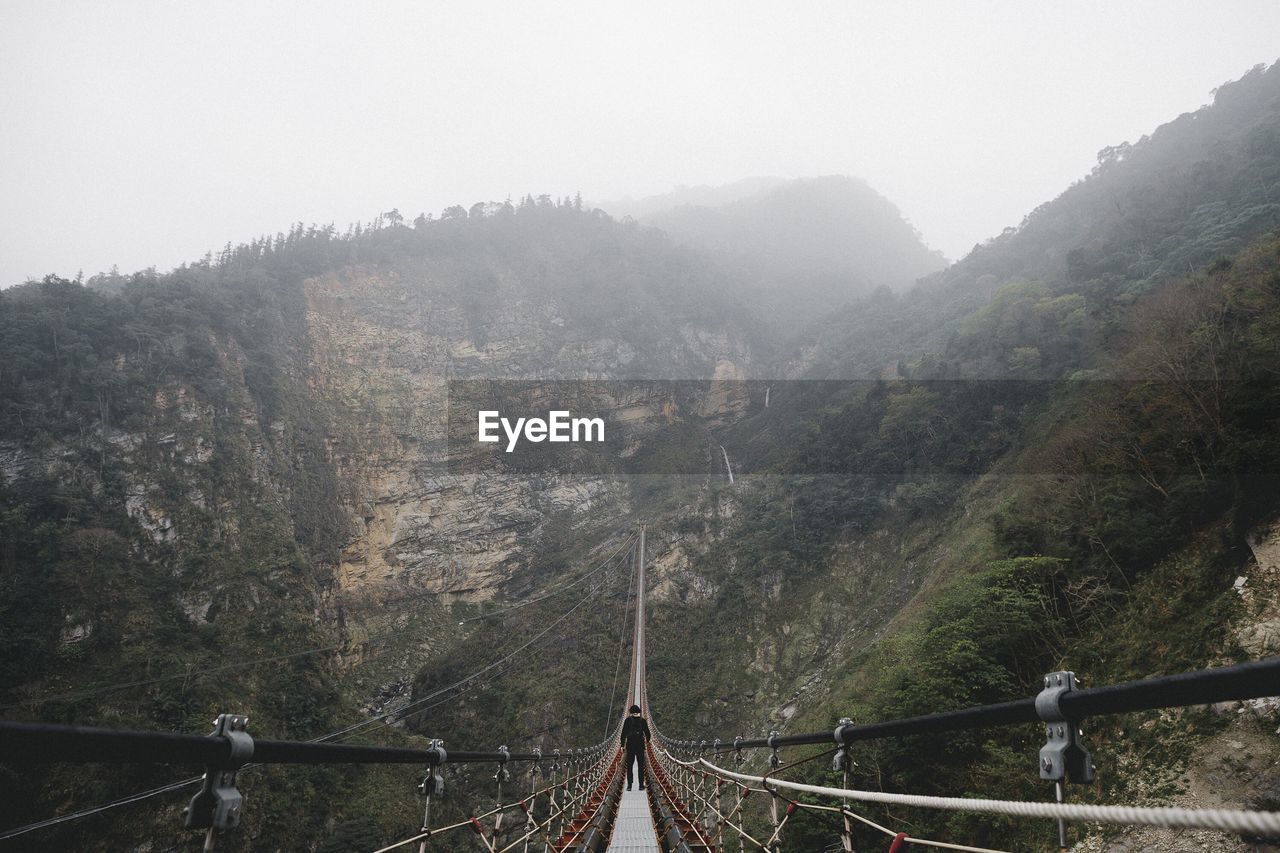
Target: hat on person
(635,709)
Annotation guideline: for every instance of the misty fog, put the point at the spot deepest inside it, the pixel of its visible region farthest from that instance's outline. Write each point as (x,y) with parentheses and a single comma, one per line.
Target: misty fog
(144,134)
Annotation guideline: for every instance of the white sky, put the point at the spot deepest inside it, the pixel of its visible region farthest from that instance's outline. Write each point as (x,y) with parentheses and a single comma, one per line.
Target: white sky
(145,133)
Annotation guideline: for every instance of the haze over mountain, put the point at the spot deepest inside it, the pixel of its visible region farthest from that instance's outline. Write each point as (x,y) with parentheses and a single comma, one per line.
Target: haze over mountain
(703,195)
(227,120)
(797,247)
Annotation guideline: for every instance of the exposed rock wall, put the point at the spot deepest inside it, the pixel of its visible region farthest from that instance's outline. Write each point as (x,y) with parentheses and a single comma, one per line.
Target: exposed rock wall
(386,343)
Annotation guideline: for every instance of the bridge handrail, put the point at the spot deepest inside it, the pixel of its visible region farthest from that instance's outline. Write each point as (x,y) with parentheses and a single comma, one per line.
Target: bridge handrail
(1228,820)
(52,742)
(1252,680)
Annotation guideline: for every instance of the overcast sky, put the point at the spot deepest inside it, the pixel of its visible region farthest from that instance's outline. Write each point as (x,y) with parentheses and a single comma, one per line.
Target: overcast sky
(145,133)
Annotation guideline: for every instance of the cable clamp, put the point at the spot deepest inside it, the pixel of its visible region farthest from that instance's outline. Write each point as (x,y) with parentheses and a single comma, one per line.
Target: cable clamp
(503,774)
(775,761)
(842,762)
(432,783)
(1064,756)
(218,804)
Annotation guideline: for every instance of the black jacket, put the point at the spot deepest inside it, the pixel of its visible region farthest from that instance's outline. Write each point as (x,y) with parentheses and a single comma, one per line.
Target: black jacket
(635,734)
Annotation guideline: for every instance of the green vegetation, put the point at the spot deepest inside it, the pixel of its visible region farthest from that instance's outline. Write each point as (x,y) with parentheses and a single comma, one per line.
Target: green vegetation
(171,511)
(1108,509)
(1054,456)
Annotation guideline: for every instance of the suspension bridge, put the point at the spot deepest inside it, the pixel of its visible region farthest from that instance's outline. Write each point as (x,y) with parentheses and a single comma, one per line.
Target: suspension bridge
(575,799)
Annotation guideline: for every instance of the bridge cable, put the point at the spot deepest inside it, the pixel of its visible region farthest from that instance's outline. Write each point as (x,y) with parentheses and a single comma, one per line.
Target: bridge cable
(843,810)
(133,798)
(491,678)
(1266,824)
(546,595)
(469,678)
(622,644)
(13,833)
(257,661)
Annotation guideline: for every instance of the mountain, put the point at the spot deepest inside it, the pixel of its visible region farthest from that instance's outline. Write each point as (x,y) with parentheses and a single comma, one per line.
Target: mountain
(1057,453)
(704,195)
(244,467)
(235,487)
(1200,188)
(798,249)
(1006,470)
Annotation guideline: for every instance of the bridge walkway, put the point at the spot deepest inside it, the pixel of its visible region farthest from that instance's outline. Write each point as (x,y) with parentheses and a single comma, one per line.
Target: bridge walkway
(633,829)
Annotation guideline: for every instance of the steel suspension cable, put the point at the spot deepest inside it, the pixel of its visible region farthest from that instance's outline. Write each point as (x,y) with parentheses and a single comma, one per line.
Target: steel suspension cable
(622,644)
(909,839)
(203,672)
(843,810)
(489,680)
(1251,680)
(321,739)
(400,712)
(500,611)
(124,801)
(1266,824)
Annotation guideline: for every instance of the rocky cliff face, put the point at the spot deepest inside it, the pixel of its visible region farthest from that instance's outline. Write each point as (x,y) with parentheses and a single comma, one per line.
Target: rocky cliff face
(238,479)
(387,342)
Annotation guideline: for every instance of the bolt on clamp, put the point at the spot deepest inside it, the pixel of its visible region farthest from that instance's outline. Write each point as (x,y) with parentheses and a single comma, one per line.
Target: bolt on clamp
(1064,756)
(842,761)
(775,761)
(432,783)
(218,804)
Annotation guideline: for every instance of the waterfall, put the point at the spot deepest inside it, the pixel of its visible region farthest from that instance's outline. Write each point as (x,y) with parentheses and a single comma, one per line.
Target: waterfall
(727,467)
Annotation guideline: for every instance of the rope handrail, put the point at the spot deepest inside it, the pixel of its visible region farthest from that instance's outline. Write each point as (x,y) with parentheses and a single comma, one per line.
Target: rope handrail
(1266,824)
(910,839)
(504,807)
(688,767)
(726,819)
(610,771)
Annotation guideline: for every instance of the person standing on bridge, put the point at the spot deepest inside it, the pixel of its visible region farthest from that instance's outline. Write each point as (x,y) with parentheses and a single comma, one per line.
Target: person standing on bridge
(635,738)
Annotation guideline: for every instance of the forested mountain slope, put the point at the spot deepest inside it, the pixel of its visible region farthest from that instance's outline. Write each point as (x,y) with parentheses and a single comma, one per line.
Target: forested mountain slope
(1198,188)
(229,487)
(1022,468)
(1045,466)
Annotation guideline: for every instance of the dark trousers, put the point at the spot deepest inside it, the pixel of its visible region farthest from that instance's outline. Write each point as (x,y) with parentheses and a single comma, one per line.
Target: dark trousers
(638,759)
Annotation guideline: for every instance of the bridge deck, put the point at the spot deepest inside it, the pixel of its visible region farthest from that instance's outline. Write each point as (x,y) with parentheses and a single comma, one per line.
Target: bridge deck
(633,830)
